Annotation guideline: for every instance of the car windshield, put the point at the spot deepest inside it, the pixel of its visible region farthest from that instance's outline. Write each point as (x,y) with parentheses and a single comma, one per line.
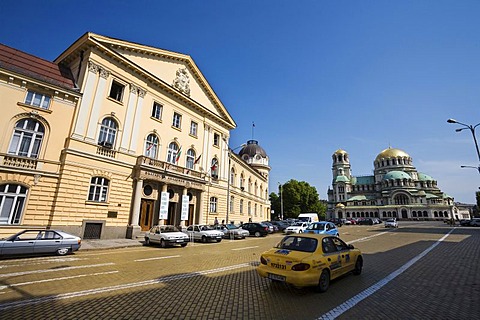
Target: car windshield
(298,224)
(316,226)
(205,228)
(231,226)
(298,244)
(166,229)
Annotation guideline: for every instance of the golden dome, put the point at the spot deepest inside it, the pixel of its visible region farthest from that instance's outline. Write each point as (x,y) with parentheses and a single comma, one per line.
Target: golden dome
(340,205)
(391,153)
(340,151)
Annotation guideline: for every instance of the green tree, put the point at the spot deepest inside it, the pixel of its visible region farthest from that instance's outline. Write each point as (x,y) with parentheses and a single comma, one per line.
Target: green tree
(298,197)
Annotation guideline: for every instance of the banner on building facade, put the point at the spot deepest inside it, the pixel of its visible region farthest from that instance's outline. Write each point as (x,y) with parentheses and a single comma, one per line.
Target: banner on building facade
(163,214)
(185,201)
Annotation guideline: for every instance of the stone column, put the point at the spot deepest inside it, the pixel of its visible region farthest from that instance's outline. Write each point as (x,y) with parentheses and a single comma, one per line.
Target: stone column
(84,107)
(134,228)
(97,104)
(137,121)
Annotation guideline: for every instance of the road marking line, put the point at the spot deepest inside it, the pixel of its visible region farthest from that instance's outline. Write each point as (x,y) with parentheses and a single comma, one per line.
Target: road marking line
(55,279)
(350,303)
(156,258)
(369,237)
(63,296)
(245,248)
(54,270)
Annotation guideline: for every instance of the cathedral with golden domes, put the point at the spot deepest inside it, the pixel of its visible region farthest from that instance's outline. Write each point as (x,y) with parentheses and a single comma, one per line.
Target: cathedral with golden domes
(395,190)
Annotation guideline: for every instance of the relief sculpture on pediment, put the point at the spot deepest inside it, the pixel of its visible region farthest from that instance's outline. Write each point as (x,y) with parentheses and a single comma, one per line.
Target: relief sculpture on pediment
(182,81)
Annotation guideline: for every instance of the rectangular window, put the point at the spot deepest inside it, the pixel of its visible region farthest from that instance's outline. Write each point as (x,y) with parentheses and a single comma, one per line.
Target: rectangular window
(193,128)
(216,139)
(157,111)
(37,100)
(116,91)
(213,204)
(177,120)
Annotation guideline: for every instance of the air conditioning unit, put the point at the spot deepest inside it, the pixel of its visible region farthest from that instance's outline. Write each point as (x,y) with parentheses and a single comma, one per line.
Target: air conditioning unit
(106,144)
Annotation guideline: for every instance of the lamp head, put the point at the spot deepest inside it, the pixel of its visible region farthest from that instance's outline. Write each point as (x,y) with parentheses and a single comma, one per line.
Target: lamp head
(458,130)
(452,121)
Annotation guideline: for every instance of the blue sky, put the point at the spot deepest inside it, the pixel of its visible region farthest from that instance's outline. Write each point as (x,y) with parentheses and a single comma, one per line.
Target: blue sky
(314,76)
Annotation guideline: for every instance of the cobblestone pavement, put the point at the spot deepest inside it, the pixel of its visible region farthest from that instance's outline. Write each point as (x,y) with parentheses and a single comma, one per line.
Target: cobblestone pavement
(218,281)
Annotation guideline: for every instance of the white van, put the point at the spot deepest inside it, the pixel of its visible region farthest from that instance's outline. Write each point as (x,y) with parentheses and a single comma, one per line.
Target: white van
(308,217)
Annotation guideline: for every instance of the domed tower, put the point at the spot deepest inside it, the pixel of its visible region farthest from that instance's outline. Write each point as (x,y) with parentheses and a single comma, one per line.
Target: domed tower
(256,157)
(342,177)
(341,164)
(393,159)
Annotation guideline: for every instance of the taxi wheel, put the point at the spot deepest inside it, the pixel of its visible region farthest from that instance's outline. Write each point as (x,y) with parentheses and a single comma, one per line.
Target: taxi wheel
(324,281)
(162,243)
(358,266)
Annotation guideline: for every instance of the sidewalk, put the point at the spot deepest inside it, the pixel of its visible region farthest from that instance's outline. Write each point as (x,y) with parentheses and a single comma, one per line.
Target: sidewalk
(110,244)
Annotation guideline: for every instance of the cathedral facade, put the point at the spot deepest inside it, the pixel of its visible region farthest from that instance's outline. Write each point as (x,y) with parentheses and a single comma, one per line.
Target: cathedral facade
(395,190)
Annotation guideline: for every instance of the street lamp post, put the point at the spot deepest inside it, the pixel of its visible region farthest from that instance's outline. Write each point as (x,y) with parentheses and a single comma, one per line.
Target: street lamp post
(472,130)
(281,201)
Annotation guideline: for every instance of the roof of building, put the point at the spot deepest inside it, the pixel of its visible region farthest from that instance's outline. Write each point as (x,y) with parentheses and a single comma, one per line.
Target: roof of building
(252,148)
(394,175)
(364,180)
(341,179)
(361,197)
(391,153)
(424,177)
(31,66)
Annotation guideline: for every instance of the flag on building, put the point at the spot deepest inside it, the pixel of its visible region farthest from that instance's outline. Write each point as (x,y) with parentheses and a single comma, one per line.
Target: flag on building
(198,159)
(178,155)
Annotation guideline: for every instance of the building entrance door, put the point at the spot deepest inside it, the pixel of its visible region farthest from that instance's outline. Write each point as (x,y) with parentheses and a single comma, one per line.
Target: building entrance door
(146,214)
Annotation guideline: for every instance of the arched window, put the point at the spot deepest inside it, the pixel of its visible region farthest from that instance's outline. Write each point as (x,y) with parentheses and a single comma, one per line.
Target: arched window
(12,200)
(241,206)
(232,201)
(27,138)
(151,146)
(172,153)
(242,182)
(214,168)
(190,161)
(232,176)
(108,132)
(401,199)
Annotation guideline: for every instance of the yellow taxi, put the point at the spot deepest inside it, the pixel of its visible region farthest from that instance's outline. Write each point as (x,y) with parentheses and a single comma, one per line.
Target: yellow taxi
(305,260)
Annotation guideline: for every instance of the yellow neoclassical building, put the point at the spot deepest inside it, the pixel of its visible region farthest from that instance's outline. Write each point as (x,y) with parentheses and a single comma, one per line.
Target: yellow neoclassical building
(113,137)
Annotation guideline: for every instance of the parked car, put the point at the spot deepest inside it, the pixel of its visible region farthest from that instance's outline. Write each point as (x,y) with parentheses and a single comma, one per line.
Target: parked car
(298,227)
(37,241)
(203,233)
(271,227)
(337,221)
(365,221)
(281,225)
(231,231)
(166,235)
(310,260)
(475,222)
(391,223)
(322,227)
(255,229)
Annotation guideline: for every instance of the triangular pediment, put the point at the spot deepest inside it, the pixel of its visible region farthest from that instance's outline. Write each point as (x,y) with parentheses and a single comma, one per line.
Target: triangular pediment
(176,71)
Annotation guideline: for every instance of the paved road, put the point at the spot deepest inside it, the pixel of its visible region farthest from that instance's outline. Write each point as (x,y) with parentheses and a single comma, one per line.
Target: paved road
(423,270)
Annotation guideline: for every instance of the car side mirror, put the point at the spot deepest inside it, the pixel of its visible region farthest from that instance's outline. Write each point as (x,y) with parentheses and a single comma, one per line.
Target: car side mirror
(350,246)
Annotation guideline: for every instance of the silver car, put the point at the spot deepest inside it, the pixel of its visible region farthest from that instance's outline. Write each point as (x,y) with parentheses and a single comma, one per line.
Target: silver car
(231,231)
(203,233)
(40,242)
(166,235)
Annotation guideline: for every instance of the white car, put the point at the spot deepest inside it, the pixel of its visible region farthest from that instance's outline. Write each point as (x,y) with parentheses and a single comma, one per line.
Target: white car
(297,227)
(166,235)
(204,233)
(231,231)
(391,223)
